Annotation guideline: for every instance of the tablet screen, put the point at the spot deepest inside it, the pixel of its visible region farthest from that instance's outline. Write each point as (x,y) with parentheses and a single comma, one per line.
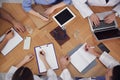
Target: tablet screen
(63,16)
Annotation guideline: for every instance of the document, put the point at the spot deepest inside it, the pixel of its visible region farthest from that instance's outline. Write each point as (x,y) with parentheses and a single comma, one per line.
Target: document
(81,58)
(50,57)
(12,43)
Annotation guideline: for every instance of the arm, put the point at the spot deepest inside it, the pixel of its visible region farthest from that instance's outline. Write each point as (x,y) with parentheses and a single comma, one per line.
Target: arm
(8,36)
(50,73)
(104,57)
(54,7)
(64,62)
(82,7)
(111,17)
(42,57)
(7,16)
(27,7)
(26,59)
(85,11)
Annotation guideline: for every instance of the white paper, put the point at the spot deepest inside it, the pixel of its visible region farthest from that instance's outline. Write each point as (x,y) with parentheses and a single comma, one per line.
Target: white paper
(12,43)
(50,57)
(27,41)
(81,58)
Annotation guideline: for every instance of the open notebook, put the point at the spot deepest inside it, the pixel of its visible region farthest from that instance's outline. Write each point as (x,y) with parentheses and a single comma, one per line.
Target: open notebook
(12,43)
(81,59)
(50,57)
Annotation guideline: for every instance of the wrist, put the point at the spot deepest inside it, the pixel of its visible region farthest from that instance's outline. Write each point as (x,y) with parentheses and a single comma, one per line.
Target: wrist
(116,13)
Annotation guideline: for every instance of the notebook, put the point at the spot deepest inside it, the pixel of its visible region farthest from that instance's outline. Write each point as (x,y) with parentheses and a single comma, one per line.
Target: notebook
(12,43)
(64,16)
(104,30)
(50,57)
(82,59)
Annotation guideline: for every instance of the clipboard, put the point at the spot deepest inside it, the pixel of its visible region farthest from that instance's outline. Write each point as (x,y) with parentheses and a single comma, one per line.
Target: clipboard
(50,57)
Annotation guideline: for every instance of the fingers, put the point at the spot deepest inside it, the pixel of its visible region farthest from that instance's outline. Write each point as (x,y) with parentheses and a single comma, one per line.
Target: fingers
(67,57)
(95,19)
(42,53)
(31,56)
(20,28)
(110,18)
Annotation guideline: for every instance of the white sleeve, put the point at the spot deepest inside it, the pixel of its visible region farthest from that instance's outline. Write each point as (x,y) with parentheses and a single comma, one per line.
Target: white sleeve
(10,73)
(51,75)
(65,75)
(108,60)
(117,8)
(82,7)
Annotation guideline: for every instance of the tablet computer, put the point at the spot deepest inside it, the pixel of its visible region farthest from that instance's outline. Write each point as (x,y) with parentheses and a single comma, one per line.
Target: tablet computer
(64,16)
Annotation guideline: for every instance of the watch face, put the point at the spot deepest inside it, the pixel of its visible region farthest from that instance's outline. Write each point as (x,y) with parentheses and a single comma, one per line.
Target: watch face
(116,14)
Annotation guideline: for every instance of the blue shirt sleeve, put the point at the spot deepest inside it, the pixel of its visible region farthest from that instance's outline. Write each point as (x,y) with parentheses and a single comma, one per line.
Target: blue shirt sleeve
(27,5)
(67,1)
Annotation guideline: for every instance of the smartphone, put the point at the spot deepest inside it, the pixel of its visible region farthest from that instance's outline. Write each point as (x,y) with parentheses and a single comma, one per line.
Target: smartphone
(103,47)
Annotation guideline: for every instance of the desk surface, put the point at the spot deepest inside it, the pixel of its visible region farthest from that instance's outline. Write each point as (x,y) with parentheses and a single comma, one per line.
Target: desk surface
(78,27)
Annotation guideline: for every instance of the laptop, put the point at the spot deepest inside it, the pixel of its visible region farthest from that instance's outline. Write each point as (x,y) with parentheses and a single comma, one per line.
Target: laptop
(105,31)
(64,16)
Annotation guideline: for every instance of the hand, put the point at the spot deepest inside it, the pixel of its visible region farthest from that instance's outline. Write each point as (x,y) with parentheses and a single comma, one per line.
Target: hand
(64,61)
(95,19)
(108,74)
(28,58)
(49,11)
(43,17)
(9,35)
(42,55)
(18,27)
(110,18)
(90,49)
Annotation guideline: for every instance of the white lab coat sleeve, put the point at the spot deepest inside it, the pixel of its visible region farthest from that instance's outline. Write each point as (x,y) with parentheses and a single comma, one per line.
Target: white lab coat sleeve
(117,8)
(10,73)
(65,75)
(108,60)
(51,75)
(82,7)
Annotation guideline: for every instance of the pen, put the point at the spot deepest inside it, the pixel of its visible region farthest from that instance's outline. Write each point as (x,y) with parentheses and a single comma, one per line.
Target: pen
(9,31)
(41,53)
(92,47)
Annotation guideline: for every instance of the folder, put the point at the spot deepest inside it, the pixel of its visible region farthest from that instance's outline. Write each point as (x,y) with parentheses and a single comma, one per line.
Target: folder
(50,57)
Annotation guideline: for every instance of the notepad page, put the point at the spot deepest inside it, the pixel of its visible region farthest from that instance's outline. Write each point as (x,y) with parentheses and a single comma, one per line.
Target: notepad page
(50,57)
(12,43)
(81,59)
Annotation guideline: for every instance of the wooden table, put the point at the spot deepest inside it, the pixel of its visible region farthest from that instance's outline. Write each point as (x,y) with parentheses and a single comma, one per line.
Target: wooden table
(78,27)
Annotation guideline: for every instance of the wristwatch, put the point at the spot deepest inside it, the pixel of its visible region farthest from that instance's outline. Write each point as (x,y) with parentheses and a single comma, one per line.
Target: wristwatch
(116,14)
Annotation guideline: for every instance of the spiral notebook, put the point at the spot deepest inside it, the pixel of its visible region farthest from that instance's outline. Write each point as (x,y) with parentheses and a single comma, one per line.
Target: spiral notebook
(50,57)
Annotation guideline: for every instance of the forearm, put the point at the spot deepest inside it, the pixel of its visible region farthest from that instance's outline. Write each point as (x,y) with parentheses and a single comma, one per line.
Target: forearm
(3,43)
(7,16)
(21,64)
(59,5)
(46,64)
(35,13)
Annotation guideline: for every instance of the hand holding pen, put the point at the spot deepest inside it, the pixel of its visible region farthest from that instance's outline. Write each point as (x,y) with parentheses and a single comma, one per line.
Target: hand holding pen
(42,55)
(64,61)
(91,50)
(9,34)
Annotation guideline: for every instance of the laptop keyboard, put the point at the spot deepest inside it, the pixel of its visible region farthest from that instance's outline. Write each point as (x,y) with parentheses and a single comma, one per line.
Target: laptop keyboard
(104,25)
